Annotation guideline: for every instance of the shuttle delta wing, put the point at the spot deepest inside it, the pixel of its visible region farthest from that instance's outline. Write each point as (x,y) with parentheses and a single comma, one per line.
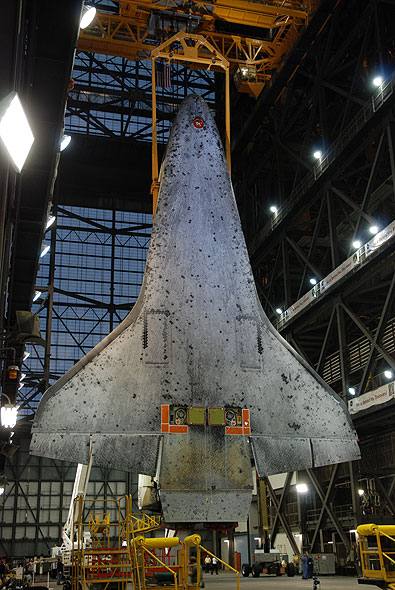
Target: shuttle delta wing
(196,376)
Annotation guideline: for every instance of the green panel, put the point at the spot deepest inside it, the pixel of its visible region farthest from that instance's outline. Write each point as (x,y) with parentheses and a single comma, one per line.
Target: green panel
(196,415)
(216,416)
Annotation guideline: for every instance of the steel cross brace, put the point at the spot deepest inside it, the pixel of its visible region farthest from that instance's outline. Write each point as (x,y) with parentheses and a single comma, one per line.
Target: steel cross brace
(279,508)
(329,510)
(328,495)
(282,518)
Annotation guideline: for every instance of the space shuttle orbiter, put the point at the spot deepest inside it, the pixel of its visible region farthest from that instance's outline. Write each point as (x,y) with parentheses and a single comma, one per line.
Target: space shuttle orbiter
(195,380)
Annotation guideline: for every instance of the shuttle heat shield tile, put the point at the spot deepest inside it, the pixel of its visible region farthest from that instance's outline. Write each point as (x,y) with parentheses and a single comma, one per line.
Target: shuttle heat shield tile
(327,451)
(128,452)
(280,454)
(196,337)
(215,506)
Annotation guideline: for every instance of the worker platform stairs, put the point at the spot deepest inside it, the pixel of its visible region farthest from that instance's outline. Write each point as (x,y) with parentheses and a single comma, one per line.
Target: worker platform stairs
(114,549)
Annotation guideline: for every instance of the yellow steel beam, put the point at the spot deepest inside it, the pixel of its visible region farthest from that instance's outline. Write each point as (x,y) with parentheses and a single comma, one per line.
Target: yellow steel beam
(127,37)
(266,14)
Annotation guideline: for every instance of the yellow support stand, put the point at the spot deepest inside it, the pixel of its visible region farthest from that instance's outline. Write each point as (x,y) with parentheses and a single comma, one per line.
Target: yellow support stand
(377,547)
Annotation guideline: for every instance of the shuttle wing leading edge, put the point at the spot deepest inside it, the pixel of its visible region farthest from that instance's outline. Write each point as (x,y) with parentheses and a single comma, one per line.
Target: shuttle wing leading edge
(196,377)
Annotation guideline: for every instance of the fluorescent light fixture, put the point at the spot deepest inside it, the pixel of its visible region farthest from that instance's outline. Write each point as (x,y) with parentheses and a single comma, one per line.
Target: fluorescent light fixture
(50,221)
(21,385)
(378,80)
(356,244)
(88,14)
(317,154)
(279,311)
(330,542)
(23,375)
(15,132)
(352,390)
(9,415)
(313,281)
(388,374)
(273,209)
(65,141)
(373,229)
(37,294)
(26,355)
(45,250)
(361,492)
(301,488)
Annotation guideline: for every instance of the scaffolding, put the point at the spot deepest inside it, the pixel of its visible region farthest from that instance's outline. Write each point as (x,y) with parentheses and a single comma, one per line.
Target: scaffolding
(111,550)
(377,547)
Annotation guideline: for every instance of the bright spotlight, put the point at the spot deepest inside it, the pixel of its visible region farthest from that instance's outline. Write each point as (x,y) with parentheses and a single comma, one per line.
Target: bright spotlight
(378,80)
(51,221)
(88,14)
(313,281)
(15,132)
(26,355)
(352,390)
(64,142)
(301,488)
(388,374)
(9,414)
(361,492)
(273,209)
(279,310)
(356,244)
(37,295)
(373,229)
(45,250)
(317,154)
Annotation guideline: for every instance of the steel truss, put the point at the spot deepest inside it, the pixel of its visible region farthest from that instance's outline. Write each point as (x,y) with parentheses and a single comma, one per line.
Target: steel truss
(89,283)
(329,104)
(111,96)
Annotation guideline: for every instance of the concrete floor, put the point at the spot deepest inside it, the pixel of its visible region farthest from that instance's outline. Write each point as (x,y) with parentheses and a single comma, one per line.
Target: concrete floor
(225,581)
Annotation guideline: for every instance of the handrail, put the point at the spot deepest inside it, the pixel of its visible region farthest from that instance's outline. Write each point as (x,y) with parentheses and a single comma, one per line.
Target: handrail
(375,102)
(225,564)
(162,564)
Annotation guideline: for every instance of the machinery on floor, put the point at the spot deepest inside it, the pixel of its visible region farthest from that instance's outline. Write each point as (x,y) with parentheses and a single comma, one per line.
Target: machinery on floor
(377,549)
(124,550)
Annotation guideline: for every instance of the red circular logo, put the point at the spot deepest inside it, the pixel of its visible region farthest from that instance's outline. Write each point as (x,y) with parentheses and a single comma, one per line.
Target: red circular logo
(198,123)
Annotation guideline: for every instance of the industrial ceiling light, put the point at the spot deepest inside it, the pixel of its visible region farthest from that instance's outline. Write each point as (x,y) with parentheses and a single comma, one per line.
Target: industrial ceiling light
(301,488)
(26,355)
(279,310)
(37,294)
(46,248)
(356,244)
(373,229)
(361,492)
(388,374)
(21,385)
(65,140)
(352,390)
(23,375)
(378,80)
(317,154)
(15,132)
(51,221)
(9,413)
(273,209)
(88,14)
(313,281)
(3,483)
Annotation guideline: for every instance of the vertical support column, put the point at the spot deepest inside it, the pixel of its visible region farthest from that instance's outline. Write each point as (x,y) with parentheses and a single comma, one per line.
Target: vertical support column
(342,347)
(287,286)
(51,281)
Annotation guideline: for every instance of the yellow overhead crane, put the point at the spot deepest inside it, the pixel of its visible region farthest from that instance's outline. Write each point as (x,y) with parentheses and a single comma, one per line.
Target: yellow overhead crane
(128,33)
(185,31)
